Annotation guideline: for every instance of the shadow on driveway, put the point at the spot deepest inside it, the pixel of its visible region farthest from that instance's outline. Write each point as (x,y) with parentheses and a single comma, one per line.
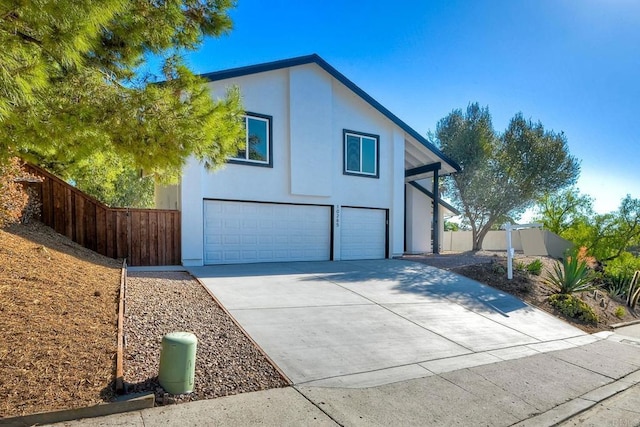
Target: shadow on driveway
(401,277)
(406,277)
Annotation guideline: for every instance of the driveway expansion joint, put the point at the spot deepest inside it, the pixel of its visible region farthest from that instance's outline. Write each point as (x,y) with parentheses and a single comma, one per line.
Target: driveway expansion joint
(318,406)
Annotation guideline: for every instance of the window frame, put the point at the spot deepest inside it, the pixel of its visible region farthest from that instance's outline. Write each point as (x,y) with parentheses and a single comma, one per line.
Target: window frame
(246,161)
(360,135)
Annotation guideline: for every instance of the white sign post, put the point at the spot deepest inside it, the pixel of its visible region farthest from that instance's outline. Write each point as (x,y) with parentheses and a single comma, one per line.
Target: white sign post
(510,251)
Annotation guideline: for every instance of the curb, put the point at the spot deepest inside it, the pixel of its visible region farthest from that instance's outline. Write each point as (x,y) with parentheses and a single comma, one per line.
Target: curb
(623,324)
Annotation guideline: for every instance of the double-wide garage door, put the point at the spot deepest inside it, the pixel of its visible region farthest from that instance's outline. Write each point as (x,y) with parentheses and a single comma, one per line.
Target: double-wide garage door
(245,232)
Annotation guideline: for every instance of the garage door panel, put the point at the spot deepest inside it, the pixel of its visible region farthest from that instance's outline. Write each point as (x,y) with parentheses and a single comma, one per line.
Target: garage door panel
(363,233)
(244,232)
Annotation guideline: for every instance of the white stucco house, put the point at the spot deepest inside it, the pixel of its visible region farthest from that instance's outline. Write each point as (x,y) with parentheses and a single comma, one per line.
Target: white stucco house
(328,174)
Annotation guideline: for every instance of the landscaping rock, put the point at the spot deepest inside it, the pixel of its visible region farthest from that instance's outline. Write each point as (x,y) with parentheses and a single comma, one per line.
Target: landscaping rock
(227,362)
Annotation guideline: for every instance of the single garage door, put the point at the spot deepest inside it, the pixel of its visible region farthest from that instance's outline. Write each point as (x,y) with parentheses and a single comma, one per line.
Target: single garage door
(363,233)
(244,232)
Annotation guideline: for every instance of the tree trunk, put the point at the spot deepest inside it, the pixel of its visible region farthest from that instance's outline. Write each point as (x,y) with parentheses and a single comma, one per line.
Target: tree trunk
(478,237)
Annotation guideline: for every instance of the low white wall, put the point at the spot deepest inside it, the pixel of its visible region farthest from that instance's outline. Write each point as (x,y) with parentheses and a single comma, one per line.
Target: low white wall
(532,241)
(462,241)
(457,241)
(497,241)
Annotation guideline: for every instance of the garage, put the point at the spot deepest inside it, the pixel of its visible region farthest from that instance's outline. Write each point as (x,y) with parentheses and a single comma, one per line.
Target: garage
(238,232)
(363,233)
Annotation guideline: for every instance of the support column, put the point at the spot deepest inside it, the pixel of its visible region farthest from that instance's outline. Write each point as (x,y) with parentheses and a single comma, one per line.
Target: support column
(436,211)
(397,213)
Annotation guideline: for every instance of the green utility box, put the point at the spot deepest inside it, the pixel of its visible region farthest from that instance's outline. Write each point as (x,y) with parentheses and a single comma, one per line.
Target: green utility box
(178,362)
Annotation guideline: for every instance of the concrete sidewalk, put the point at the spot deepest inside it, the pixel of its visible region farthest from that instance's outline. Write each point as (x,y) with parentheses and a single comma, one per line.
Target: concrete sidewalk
(571,386)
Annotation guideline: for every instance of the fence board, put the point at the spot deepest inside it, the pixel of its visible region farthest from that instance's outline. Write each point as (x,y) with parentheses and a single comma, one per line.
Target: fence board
(162,240)
(78,220)
(153,238)
(143,236)
(101,230)
(123,235)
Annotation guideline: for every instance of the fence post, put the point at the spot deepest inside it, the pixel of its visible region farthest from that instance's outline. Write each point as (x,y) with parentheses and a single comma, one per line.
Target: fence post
(131,262)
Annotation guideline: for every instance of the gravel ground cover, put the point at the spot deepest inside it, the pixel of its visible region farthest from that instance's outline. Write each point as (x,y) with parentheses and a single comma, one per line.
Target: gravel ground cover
(450,260)
(227,362)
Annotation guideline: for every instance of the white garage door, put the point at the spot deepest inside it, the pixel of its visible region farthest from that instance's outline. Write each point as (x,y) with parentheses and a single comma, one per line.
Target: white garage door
(363,233)
(244,232)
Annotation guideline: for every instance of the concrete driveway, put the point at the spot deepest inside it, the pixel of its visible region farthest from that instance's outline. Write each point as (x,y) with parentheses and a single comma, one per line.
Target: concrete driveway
(368,323)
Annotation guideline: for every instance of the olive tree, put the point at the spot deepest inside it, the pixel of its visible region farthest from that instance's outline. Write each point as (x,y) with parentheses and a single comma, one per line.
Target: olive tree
(502,174)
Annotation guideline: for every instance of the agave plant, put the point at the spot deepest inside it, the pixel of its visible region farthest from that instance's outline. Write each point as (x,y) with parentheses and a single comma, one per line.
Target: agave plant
(618,284)
(634,290)
(572,276)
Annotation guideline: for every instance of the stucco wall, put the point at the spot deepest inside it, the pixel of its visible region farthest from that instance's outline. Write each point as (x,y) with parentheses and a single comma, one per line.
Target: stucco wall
(556,245)
(310,109)
(462,241)
(167,197)
(532,241)
(419,220)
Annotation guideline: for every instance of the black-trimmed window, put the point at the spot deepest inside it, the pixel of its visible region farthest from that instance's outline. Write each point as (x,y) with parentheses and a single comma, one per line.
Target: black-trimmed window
(257,147)
(361,154)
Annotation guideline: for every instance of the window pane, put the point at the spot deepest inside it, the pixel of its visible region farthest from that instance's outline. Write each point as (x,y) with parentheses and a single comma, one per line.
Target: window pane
(369,155)
(257,140)
(353,153)
(242,151)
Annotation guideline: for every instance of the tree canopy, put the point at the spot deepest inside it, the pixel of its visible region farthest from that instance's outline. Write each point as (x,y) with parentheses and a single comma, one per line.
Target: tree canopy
(72,86)
(606,236)
(565,210)
(502,173)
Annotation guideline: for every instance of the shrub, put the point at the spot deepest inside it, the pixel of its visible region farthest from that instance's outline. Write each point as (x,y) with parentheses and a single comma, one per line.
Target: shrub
(498,268)
(626,263)
(573,307)
(519,266)
(535,267)
(583,256)
(620,312)
(572,276)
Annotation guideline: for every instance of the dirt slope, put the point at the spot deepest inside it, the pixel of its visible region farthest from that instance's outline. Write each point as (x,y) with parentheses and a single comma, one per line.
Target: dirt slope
(58,322)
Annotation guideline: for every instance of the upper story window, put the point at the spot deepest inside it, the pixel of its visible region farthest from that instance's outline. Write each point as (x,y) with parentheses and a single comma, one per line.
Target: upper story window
(361,154)
(257,147)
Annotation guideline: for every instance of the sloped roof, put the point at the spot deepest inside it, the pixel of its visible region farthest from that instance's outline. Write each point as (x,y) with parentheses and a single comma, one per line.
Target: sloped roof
(315,59)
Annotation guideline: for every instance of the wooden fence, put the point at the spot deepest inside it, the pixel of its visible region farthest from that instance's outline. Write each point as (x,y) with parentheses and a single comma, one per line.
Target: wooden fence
(142,236)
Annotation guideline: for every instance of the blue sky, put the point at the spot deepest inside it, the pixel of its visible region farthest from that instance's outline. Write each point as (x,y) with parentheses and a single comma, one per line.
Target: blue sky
(573,65)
